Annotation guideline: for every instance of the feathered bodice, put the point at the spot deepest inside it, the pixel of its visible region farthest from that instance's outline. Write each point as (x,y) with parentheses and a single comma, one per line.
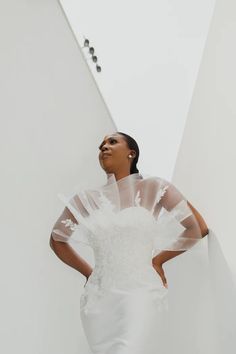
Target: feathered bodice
(126,222)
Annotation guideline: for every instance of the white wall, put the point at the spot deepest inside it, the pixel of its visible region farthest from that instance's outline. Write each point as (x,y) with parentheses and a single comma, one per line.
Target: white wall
(205,169)
(52,117)
(150,53)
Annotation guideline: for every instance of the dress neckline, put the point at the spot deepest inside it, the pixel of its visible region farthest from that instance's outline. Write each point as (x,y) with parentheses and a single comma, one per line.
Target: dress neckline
(133,176)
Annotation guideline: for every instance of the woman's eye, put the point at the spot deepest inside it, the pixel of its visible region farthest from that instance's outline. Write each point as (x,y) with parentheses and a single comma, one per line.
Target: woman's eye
(111,141)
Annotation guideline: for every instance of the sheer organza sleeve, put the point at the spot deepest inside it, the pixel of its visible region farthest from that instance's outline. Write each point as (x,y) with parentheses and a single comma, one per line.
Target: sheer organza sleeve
(67,228)
(177,226)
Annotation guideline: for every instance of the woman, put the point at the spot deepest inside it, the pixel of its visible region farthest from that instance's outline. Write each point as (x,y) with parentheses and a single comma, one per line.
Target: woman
(134,224)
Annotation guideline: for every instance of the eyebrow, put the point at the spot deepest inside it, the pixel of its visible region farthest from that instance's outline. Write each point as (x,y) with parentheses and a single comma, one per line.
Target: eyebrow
(110,137)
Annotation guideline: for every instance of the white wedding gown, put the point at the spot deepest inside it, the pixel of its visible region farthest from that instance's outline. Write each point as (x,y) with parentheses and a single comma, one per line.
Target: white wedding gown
(124,307)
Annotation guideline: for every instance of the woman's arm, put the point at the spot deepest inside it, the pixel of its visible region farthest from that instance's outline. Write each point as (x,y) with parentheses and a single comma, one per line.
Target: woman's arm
(201,221)
(195,226)
(164,256)
(62,248)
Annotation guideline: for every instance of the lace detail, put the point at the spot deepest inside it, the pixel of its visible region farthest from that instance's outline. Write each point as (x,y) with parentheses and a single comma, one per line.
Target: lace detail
(123,257)
(69,223)
(160,193)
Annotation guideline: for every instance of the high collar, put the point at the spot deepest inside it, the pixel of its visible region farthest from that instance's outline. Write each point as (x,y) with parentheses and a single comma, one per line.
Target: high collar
(133,176)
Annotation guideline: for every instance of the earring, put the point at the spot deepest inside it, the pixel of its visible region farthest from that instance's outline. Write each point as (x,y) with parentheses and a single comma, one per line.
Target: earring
(130,156)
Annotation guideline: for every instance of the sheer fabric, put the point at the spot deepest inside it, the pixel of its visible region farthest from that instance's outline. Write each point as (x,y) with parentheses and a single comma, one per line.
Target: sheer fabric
(88,212)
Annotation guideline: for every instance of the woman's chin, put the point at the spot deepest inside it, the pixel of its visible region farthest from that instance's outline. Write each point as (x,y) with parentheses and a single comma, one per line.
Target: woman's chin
(106,165)
(108,169)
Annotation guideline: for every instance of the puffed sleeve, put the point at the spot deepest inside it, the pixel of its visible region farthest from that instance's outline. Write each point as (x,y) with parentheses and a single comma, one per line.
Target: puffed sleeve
(67,227)
(177,226)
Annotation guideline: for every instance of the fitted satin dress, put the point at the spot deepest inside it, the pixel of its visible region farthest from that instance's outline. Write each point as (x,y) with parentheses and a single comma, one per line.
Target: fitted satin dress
(124,306)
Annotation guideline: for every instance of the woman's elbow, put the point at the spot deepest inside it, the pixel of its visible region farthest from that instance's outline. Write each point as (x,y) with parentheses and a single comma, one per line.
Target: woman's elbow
(201,222)
(52,242)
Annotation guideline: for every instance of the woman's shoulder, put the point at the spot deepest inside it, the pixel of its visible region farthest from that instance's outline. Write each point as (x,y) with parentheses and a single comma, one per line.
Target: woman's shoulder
(154,180)
(153,185)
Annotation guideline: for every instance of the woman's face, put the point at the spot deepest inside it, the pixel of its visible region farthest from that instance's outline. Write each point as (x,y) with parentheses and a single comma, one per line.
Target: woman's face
(114,152)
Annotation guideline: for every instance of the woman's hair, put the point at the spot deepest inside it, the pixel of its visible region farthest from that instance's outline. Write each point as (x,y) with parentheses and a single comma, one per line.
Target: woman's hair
(132,144)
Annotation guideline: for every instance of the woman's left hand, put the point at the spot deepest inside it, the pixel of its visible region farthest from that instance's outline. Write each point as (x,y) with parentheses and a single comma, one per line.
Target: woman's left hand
(158,268)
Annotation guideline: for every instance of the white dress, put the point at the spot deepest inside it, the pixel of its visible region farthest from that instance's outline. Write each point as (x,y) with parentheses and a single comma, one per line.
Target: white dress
(124,307)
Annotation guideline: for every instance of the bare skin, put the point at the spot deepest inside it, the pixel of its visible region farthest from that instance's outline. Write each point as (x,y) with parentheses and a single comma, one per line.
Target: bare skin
(116,157)
(117,153)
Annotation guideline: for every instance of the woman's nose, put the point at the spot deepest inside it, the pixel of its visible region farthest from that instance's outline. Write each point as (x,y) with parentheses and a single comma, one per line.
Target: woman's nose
(104,148)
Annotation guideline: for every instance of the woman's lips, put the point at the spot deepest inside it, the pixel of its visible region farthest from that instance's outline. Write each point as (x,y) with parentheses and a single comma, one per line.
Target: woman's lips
(105,156)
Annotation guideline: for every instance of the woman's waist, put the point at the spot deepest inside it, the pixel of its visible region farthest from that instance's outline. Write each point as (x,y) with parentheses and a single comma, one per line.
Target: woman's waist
(124,277)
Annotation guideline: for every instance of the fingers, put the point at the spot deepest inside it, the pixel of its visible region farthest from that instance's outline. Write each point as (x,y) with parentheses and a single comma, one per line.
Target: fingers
(161,272)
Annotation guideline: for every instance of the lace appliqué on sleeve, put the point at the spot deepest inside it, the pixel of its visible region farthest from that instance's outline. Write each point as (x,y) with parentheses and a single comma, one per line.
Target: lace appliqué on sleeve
(69,223)
(160,193)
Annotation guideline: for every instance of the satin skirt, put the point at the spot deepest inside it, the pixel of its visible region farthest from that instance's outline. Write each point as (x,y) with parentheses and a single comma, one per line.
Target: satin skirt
(127,322)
